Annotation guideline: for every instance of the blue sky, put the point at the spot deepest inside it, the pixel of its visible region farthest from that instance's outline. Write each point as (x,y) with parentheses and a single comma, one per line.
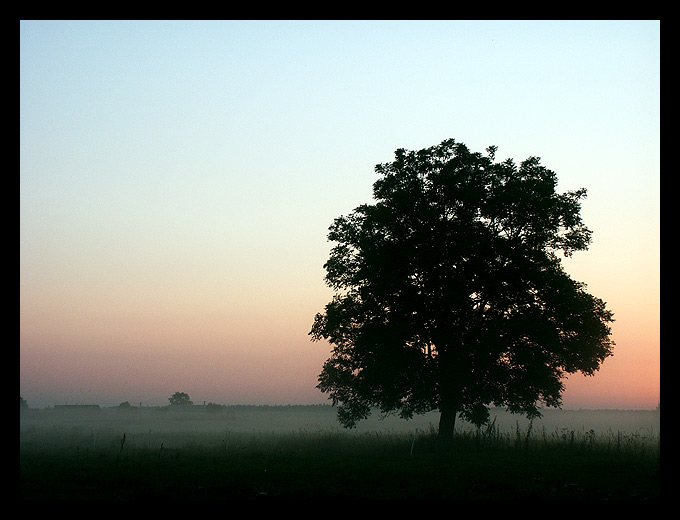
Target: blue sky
(177,179)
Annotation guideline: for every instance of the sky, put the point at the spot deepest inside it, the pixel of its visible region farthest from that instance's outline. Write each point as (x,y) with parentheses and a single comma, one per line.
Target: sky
(178,178)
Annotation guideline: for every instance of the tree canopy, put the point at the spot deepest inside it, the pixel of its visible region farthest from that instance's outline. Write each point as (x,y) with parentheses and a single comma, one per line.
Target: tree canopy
(450,293)
(180,398)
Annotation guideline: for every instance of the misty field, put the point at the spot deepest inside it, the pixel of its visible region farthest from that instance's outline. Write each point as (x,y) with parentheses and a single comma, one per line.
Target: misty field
(301,453)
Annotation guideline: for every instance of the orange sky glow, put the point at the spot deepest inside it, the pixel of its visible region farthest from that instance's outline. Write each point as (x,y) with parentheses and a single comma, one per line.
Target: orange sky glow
(177,181)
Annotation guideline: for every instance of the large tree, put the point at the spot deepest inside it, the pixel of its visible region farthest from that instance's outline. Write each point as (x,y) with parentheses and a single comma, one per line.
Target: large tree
(450,294)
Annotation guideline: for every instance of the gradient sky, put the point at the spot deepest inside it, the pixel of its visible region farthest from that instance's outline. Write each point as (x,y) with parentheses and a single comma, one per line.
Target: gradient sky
(177,180)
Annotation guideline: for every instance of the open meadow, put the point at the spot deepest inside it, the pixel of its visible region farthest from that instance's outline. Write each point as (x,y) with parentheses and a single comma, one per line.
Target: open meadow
(301,452)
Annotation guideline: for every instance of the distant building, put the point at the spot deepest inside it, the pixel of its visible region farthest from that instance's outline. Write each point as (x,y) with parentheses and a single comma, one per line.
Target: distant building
(77,408)
(187,407)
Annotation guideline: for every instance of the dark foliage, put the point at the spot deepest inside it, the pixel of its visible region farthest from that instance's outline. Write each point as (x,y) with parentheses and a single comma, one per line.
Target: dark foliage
(450,292)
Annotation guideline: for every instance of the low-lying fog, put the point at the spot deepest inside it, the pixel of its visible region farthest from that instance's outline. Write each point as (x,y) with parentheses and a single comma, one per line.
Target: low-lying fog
(145,423)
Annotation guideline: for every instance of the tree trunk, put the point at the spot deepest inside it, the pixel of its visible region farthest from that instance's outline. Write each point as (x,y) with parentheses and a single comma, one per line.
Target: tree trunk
(449,385)
(447,421)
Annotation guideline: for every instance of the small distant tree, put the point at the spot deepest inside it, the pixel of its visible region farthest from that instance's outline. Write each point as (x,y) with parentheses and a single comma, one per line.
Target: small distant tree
(180,398)
(23,405)
(125,406)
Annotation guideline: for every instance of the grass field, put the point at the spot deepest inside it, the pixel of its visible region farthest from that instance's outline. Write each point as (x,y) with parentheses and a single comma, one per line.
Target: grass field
(87,459)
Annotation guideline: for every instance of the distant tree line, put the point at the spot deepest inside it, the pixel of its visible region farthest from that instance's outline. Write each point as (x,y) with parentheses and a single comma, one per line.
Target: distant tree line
(183,399)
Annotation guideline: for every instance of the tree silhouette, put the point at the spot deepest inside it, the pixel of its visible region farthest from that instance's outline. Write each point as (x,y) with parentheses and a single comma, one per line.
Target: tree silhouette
(450,294)
(180,398)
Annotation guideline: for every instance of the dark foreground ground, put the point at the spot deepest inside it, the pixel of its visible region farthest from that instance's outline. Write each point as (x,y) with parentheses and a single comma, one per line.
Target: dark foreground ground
(196,457)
